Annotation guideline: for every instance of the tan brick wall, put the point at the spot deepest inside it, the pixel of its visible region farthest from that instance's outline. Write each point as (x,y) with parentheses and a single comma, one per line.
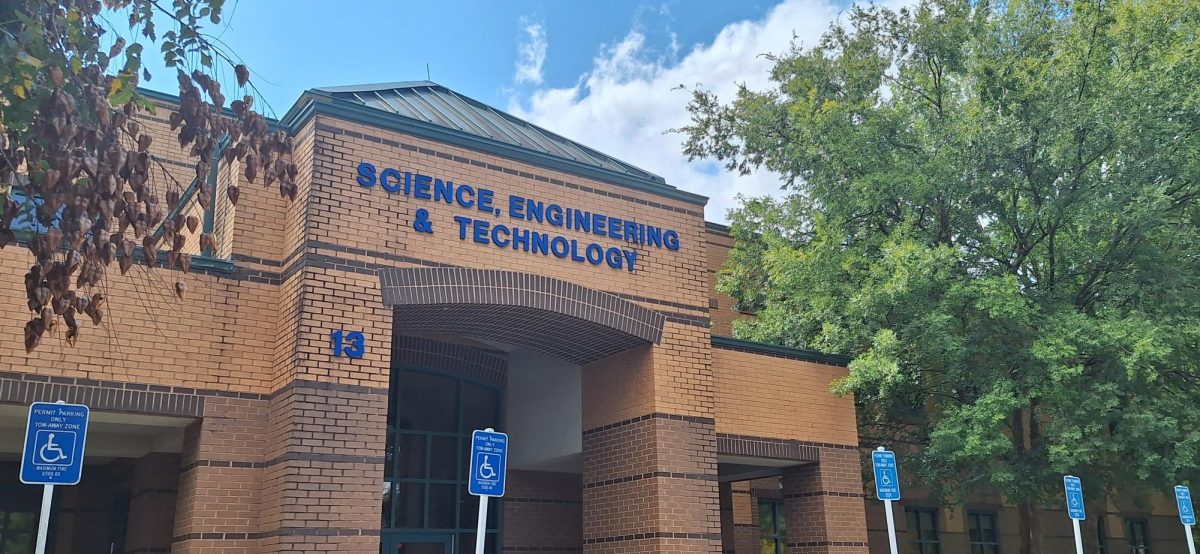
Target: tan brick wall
(369,218)
(781,398)
(721,306)
(219,336)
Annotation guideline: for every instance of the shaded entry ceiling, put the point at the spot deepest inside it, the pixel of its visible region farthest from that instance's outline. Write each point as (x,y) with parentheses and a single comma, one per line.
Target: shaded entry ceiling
(557,318)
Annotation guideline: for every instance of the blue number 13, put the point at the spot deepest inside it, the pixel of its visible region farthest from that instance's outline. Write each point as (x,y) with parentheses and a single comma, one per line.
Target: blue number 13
(349,344)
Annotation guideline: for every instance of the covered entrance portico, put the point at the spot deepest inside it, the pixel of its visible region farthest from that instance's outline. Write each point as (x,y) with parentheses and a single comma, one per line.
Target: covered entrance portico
(570,373)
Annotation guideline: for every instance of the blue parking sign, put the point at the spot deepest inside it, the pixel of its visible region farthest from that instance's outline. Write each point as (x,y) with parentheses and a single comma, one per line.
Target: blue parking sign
(887,475)
(1183,499)
(54,441)
(1074,491)
(489,458)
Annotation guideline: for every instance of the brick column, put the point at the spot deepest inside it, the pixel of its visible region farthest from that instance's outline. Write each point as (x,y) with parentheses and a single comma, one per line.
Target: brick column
(325,439)
(746,538)
(322,482)
(152,503)
(824,504)
(217,505)
(649,449)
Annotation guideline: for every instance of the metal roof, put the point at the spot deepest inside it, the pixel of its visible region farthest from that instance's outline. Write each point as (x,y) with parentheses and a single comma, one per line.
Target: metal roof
(435,104)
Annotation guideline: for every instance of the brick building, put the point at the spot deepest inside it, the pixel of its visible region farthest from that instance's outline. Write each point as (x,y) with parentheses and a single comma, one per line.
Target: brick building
(445,267)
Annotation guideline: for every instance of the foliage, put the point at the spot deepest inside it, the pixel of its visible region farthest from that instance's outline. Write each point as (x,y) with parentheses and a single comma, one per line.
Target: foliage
(71,143)
(992,206)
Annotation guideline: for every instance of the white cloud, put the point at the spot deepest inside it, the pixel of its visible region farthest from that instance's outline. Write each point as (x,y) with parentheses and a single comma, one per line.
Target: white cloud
(623,105)
(531,53)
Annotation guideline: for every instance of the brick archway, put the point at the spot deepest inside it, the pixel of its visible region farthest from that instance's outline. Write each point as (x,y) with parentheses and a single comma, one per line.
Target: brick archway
(561,319)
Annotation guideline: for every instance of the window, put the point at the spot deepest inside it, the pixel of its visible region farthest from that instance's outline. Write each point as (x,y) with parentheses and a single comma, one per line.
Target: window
(922,533)
(1102,534)
(1139,536)
(430,419)
(17,532)
(981,528)
(772,527)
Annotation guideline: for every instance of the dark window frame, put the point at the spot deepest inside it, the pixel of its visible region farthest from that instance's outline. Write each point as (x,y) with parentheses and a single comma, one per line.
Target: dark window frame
(1102,534)
(777,535)
(915,538)
(978,545)
(1131,523)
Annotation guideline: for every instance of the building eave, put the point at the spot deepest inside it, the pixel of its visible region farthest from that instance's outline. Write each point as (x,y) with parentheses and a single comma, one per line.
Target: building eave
(731,343)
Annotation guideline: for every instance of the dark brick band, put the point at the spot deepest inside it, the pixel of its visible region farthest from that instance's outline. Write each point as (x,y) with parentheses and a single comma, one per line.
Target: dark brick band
(825,493)
(519,500)
(217,537)
(323,458)
(239,464)
(327,386)
(780,449)
(657,535)
(26,388)
(819,544)
(651,475)
(542,548)
(655,415)
(284,532)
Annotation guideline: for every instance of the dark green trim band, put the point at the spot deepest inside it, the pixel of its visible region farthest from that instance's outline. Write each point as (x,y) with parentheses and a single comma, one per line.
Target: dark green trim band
(315,102)
(730,343)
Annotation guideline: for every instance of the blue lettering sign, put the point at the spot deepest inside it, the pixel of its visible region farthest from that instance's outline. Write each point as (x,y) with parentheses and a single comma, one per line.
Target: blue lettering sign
(366,174)
(520,208)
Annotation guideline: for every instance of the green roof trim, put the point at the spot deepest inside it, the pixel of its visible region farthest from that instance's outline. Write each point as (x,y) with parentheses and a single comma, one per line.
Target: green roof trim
(717,228)
(315,102)
(783,351)
(174,99)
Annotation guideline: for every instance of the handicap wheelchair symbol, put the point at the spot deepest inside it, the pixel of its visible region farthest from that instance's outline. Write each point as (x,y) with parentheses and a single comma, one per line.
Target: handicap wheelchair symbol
(885,479)
(54,447)
(486,471)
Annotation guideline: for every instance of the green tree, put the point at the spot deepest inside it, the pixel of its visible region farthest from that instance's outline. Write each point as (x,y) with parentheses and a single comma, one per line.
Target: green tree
(993,207)
(76,167)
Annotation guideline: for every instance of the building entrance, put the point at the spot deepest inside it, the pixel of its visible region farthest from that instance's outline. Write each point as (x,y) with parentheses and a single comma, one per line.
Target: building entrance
(426,506)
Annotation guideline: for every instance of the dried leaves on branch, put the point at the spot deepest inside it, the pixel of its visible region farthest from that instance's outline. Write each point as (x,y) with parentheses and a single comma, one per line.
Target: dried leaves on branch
(77,168)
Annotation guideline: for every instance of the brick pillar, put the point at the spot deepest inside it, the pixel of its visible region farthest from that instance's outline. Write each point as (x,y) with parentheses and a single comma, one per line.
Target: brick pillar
(322,481)
(152,503)
(745,519)
(823,503)
(649,449)
(325,436)
(217,504)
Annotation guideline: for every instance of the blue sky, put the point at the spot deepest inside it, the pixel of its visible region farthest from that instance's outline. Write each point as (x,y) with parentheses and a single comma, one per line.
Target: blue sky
(601,73)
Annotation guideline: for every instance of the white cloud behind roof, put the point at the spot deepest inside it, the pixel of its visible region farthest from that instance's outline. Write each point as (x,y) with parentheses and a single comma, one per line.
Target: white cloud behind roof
(624,104)
(531,53)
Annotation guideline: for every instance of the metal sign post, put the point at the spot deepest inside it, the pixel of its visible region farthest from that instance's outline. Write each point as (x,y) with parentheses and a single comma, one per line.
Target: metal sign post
(887,488)
(489,462)
(1187,515)
(54,439)
(1075,510)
